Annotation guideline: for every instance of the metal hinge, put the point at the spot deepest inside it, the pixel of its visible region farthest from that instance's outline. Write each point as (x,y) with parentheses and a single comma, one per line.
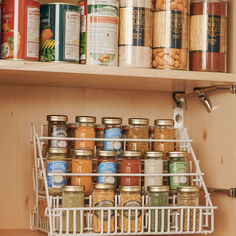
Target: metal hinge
(229,192)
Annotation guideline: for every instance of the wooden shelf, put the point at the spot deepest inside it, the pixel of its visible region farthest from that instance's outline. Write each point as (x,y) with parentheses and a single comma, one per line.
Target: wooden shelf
(20,232)
(75,75)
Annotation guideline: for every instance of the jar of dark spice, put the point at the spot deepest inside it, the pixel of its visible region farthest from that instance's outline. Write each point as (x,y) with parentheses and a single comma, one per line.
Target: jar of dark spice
(99,133)
(71,128)
(106,164)
(125,131)
(208,35)
(57,127)
(158,197)
(151,136)
(138,129)
(112,130)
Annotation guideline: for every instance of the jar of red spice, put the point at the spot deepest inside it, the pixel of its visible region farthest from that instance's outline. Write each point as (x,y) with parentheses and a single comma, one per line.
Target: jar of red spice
(131,164)
(85,130)
(99,133)
(106,164)
(208,35)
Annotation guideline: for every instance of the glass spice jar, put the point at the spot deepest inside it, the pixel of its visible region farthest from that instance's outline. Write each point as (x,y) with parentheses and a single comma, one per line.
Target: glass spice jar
(112,130)
(82,163)
(56,163)
(131,164)
(85,130)
(138,129)
(151,136)
(71,129)
(177,163)
(158,197)
(57,125)
(73,196)
(103,196)
(189,196)
(130,196)
(99,133)
(153,164)
(164,129)
(124,135)
(106,164)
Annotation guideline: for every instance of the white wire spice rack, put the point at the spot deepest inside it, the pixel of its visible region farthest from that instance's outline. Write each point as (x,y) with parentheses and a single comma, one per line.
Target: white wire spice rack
(168,220)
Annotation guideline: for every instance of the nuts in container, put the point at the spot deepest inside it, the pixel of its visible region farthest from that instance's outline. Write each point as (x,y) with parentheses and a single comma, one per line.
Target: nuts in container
(170,34)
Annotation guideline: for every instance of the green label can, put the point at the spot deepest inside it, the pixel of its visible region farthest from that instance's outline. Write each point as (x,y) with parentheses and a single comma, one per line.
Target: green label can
(60,32)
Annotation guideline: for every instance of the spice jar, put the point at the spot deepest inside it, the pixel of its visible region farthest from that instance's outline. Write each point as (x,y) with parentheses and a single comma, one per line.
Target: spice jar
(85,130)
(99,133)
(73,196)
(153,164)
(177,163)
(82,163)
(106,164)
(135,39)
(208,35)
(189,196)
(170,35)
(138,129)
(131,164)
(71,129)
(151,136)
(124,135)
(158,197)
(57,125)
(112,130)
(164,129)
(103,196)
(56,163)
(130,196)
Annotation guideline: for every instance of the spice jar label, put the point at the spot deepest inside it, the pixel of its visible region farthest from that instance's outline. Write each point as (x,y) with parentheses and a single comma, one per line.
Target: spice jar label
(56,167)
(178,167)
(58,132)
(132,212)
(104,203)
(106,167)
(115,146)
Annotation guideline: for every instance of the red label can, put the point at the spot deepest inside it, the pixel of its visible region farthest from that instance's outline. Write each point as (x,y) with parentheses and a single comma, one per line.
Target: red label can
(20,29)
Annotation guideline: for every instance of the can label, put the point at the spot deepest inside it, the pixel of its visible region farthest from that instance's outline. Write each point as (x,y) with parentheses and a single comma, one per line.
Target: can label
(106,167)
(102,32)
(56,167)
(114,146)
(20,29)
(83,31)
(175,168)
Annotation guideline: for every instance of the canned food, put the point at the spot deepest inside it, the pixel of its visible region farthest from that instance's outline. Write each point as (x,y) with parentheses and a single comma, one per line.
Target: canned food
(59,31)
(20,29)
(83,31)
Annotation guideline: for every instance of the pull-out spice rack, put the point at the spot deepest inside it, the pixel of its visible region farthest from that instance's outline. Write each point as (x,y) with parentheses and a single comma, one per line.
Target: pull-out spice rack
(48,212)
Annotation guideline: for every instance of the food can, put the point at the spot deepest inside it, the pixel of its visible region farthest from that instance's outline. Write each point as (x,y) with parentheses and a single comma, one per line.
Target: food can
(20,29)
(83,30)
(102,32)
(59,32)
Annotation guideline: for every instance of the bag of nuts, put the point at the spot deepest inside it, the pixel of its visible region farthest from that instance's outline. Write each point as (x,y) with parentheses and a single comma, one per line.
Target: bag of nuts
(170,34)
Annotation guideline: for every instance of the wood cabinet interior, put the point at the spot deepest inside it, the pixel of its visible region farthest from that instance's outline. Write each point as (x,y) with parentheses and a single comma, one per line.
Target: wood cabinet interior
(214,134)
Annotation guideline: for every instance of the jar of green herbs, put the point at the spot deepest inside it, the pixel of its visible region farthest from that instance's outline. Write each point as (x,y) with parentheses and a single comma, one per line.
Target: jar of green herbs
(159,197)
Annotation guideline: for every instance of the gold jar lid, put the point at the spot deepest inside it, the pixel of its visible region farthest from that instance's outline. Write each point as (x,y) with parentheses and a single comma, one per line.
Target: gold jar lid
(57,118)
(158,188)
(188,189)
(164,122)
(104,186)
(130,188)
(72,125)
(138,121)
(154,154)
(57,150)
(176,154)
(112,121)
(131,154)
(107,153)
(85,119)
(78,188)
(83,152)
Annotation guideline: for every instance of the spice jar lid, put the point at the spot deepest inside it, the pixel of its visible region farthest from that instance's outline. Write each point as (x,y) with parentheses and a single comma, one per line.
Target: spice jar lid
(138,121)
(188,189)
(57,118)
(112,120)
(103,186)
(107,153)
(85,119)
(78,188)
(57,150)
(158,188)
(72,125)
(130,188)
(99,127)
(154,154)
(131,154)
(167,122)
(176,154)
(83,152)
